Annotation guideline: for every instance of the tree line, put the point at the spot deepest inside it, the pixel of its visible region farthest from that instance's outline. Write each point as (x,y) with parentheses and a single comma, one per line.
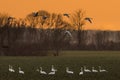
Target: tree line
(42,33)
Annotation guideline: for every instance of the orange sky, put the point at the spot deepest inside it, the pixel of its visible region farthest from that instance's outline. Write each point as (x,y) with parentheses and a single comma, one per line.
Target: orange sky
(106,13)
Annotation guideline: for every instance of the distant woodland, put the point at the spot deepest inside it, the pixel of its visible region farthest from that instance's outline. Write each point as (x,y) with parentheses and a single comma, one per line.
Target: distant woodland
(42,33)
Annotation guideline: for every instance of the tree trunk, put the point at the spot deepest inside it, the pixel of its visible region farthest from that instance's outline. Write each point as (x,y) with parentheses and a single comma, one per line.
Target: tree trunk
(79,38)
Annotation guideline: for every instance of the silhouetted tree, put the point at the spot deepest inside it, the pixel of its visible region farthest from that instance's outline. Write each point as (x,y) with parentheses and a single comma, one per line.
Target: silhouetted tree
(58,35)
(78,20)
(37,19)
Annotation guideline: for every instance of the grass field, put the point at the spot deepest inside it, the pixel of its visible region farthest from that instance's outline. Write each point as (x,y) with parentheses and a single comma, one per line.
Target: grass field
(109,60)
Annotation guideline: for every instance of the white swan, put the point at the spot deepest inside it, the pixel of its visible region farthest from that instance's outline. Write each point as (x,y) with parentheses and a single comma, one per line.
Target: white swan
(41,71)
(81,72)
(68,32)
(51,73)
(69,72)
(11,69)
(102,70)
(20,71)
(93,70)
(86,70)
(53,69)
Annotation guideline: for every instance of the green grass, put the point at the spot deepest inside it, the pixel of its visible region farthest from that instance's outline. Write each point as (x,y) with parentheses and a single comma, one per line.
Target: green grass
(110,60)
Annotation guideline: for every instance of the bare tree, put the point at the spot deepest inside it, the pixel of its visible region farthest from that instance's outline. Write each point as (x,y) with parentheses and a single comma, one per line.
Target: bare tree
(78,20)
(5,22)
(37,19)
(3,19)
(58,36)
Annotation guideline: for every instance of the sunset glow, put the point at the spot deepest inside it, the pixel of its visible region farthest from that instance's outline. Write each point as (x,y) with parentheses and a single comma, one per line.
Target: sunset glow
(105,13)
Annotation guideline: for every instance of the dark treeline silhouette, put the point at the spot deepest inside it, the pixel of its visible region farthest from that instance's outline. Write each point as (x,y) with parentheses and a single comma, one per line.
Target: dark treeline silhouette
(42,33)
